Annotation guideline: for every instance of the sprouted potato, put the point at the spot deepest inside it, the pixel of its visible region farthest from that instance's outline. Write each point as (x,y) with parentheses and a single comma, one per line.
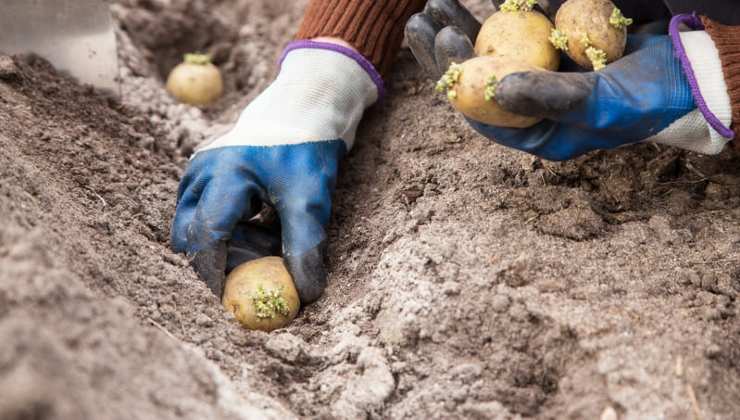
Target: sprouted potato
(471,88)
(261,294)
(519,33)
(195,81)
(592,32)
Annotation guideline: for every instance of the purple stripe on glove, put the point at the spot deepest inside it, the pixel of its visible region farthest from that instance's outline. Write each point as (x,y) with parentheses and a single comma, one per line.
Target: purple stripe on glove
(349,52)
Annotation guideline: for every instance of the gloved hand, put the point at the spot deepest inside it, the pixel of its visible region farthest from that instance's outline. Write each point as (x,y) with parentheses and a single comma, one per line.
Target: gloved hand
(645,96)
(283,151)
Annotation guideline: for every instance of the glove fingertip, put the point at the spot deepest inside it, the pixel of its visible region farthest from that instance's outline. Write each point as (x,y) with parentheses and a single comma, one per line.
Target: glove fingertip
(420,32)
(179,229)
(452,46)
(210,264)
(453,13)
(309,273)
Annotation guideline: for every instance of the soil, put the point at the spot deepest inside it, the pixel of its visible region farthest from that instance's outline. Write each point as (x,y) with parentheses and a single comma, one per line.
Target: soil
(466,280)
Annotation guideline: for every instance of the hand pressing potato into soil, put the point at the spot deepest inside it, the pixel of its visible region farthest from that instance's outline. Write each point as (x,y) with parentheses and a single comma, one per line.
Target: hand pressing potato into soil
(282,154)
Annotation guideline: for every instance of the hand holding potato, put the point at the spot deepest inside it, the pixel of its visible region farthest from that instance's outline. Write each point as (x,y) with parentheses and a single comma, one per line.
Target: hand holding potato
(512,40)
(636,98)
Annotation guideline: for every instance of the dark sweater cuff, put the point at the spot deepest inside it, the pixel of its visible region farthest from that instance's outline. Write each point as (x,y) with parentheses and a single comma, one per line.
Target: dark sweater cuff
(372,27)
(727,40)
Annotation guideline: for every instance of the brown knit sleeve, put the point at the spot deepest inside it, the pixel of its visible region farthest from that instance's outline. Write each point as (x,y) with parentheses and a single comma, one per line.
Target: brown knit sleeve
(372,27)
(727,40)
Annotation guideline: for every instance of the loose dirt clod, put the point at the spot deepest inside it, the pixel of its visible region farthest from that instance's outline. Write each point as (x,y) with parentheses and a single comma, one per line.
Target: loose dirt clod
(8,69)
(585,306)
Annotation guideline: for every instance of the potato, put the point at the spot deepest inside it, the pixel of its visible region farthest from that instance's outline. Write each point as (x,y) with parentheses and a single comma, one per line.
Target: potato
(471,88)
(519,36)
(592,32)
(261,294)
(195,81)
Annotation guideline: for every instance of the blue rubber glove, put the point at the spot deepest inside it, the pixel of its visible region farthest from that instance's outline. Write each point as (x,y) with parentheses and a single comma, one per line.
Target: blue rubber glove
(645,96)
(284,151)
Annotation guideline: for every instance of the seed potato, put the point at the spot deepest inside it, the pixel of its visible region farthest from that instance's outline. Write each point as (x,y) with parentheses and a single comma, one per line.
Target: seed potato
(592,32)
(261,294)
(195,81)
(519,36)
(471,88)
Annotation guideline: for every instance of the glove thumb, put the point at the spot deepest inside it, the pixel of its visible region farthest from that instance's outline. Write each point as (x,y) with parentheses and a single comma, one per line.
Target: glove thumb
(544,94)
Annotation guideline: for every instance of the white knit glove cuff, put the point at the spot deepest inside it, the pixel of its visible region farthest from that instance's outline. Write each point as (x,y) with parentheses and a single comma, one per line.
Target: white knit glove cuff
(694,132)
(320,94)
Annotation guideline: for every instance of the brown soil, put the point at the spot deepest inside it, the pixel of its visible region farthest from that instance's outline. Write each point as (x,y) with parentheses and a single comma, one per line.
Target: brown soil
(467,280)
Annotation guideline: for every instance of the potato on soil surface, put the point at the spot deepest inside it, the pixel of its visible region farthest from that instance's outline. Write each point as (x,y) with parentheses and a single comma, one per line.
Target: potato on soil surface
(519,36)
(195,81)
(471,88)
(592,32)
(261,294)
